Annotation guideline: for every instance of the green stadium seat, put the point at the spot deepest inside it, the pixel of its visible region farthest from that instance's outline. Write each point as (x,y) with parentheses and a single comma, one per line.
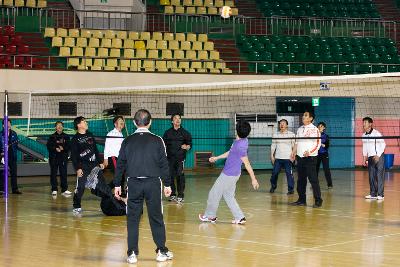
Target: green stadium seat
(281,68)
(346,69)
(330,69)
(297,69)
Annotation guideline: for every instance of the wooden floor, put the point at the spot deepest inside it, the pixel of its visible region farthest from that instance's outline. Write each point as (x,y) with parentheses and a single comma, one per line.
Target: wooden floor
(348,230)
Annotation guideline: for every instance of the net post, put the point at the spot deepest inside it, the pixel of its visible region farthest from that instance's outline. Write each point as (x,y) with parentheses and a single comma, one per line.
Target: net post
(29,113)
(5,144)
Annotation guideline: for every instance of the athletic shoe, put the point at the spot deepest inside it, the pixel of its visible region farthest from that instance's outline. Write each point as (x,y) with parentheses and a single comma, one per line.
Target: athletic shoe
(17,192)
(132,258)
(241,221)
(66,193)
(370,197)
(318,204)
(298,203)
(291,192)
(206,219)
(272,190)
(172,198)
(380,198)
(77,211)
(54,193)
(180,200)
(164,256)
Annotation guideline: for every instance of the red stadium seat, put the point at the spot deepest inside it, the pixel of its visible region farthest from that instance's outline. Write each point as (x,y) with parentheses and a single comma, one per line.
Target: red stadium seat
(23,49)
(11,49)
(5,61)
(4,40)
(16,40)
(19,61)
(9,30)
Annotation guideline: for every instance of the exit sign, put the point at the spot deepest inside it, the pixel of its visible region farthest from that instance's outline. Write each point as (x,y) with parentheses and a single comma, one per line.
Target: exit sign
(315,101)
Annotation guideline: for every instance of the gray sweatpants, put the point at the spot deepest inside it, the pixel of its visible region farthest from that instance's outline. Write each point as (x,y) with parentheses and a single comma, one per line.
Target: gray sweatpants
(224,186)
(376,171)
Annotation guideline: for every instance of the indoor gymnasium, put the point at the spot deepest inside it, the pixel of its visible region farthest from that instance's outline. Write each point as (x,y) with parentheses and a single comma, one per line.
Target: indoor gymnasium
(199,132)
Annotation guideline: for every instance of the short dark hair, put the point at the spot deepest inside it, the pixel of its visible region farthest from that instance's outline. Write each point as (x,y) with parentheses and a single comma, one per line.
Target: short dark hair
(77,121)
(116,118)
(369,119)
(311,114)
(175,114)
(285,120)
(243,128)
(142,117)
(8,119)
(321,123)
(58,122)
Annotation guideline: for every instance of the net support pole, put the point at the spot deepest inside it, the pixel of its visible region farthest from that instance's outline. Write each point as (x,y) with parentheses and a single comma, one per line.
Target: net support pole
(5,144)
(29,114)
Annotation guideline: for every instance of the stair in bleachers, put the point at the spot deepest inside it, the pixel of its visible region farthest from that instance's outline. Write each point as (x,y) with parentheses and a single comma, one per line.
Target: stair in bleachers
(389,11)
(155,20)
(248,8)
(65,16)
(229,52)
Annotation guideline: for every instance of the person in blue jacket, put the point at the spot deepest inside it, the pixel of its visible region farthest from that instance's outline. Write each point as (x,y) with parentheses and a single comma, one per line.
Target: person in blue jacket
(12,157)
(323,155)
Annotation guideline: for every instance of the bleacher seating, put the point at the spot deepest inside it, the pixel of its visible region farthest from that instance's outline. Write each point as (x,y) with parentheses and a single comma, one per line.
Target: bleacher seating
(347,51)
(136,51)
(24,3)
(11,45)
(319,8)
(199,7)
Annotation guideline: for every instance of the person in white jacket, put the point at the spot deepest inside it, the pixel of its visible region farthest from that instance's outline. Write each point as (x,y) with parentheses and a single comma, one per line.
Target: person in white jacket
(373,157)
(305,151)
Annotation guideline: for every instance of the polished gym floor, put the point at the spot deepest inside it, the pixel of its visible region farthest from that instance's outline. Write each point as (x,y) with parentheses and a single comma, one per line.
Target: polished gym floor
(348,230)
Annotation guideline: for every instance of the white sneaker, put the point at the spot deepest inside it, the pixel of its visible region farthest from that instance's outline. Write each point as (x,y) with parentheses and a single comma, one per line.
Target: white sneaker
(380,198)
(180,200)
(370,197)
(132,258)
(241,221)
(66,193)
(164,256)
(54,193)
(77,211)
(204,218)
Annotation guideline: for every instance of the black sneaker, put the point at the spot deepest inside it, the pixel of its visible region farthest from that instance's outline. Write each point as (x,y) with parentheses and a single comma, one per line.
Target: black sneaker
(298,203)
(318,204)
(241,221)
(272,190)
(291,192)
(17,192)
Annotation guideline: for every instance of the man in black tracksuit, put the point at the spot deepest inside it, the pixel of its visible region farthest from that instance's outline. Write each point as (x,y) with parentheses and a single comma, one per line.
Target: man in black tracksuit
(143,158)
(58,147)
(85,157)
(178,142)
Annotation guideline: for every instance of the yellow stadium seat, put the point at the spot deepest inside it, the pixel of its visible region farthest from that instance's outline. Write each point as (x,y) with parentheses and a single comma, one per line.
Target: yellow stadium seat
(162,45)
(57,41)
(95,67)
(168,36)
(97,34)
(179,54)
(172,64)
(73,33)
(73,62)
(64,52)
(81,42)
(165,2)
(98,62)
(166,54)
(198,3)
(190,54)
(19,3)
(129,53)
(183,64)
(214,55)
(77,52)
(226,71)
(201,10)
(151,44)
(173,45)
(202,55)
(102,52)
(90,52)
(85,33)
(179,10)
(106,43)
(220,65)
(109,34)
(218,3)
(212,11)
(135,65)
(148,65)
(69,41)
(116,43)
(140,45)
(145,36)
(196,65)
(141,54)
(61,32)
(157,36)
(209,65)
(180,36)
(176,70)
(129,44)
(186,45)
(187,3)
(114,52)
(209,3)
(111,64)
(31,3)
(201,70)
(124,64)
(86,62)
(190,10)
(214,71)
(229,3)
(197,46)
(152,54)
(8,2)
(83,67)
(175,2)
(94,42)
(42,4)
(235,11)
(202,37)
(191,37)
(134,35)
(122,35)
(169,10)
(209,46)
(49,32)
(161,65)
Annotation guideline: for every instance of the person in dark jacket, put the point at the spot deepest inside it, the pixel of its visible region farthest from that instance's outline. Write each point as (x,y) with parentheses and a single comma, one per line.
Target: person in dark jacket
(85,158)
(178,142)
(12,157)
(323,155)
(143,159)
(58,147)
